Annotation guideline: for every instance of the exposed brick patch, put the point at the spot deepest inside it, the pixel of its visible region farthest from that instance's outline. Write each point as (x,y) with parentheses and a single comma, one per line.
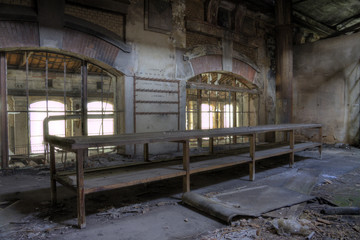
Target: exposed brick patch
(18,34)
(194,39)
(194,10)
(90,46)
(26,3)
(110,21)
(244,70)
(250,52)
(209,63)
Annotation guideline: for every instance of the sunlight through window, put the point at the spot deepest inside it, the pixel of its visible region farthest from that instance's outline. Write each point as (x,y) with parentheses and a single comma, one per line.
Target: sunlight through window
(100,126)
(37,116)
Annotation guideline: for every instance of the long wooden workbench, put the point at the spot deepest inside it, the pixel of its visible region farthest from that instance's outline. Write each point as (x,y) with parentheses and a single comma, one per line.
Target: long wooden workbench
(105,179)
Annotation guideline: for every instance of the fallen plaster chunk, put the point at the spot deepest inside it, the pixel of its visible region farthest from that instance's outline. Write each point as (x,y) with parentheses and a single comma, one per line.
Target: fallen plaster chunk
(288,227)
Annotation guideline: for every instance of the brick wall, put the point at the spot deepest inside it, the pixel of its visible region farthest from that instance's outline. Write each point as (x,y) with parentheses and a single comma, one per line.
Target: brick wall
(193,39)
(194,10)
(26,3)
(110,21)
(246,50)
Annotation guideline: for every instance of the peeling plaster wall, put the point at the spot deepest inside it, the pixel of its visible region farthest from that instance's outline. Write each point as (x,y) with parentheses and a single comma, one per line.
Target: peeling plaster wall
(154,56)
(327,88)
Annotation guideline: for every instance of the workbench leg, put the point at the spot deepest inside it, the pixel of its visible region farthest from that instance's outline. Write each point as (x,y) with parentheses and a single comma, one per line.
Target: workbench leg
(320,141)
(292,144)
(252,155)
(80,155)
(146,152)
(52,176)
(186,165)
(211,145)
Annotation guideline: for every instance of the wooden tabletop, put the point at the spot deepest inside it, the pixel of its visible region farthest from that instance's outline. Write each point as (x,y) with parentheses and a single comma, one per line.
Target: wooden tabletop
(82,142)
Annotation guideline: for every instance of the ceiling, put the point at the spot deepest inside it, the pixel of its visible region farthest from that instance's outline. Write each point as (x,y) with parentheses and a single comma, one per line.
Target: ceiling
(322,18)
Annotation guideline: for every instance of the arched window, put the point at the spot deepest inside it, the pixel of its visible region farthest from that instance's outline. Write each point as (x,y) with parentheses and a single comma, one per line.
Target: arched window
(219,100)
(100,125)
(41,84)
(38,111)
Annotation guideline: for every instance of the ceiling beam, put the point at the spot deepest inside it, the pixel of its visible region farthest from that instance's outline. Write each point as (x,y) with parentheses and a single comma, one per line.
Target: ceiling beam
(312,24)
(353,28)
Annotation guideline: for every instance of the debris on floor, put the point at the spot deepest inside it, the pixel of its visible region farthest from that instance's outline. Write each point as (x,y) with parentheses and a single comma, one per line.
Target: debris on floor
(333,183)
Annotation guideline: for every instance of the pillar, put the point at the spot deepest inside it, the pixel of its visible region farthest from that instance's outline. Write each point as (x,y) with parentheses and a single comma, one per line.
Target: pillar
(284,62)
(3,113)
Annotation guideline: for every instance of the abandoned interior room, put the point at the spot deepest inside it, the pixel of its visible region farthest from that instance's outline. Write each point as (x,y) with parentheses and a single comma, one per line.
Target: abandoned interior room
(179,119)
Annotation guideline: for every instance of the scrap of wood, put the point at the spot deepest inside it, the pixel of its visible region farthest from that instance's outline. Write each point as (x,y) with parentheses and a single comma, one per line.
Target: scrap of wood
(323,221)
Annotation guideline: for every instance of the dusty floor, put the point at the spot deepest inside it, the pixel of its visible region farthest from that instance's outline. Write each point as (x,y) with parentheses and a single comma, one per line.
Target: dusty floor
(155,211)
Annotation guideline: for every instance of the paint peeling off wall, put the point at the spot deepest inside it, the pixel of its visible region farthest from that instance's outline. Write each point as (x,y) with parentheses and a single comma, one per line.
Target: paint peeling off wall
(327,87)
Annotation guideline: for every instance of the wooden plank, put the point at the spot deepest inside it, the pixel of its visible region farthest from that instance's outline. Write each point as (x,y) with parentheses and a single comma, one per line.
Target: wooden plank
(302,146)
(167,136)
(223,162)
(272,152)
(124,177)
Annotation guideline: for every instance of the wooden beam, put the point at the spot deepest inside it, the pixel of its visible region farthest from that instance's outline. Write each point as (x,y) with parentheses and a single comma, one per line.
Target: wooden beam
(312,24)
(186,166)
(292,144)
(80,159)
(252,139)
(52,176)
(113,6)
(146,152)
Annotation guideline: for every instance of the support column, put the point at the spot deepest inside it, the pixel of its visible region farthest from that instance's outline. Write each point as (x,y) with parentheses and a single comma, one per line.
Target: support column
(3,113)
(284,62)
(198,114)
(84,99)
(129,110)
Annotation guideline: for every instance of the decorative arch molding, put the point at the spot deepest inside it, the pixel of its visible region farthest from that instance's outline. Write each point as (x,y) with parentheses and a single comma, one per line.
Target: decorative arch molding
(16,35)
(209,58)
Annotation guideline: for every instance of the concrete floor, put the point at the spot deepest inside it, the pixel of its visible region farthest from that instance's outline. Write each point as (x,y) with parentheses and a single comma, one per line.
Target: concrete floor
(152,211)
